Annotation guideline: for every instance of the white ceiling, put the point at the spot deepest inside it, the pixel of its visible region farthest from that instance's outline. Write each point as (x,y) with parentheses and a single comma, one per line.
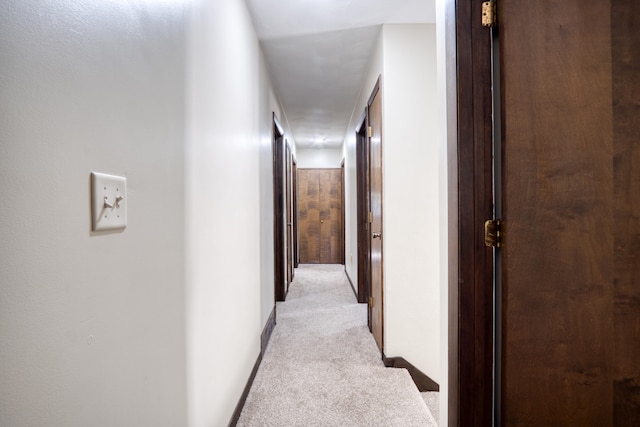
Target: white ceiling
(317,52)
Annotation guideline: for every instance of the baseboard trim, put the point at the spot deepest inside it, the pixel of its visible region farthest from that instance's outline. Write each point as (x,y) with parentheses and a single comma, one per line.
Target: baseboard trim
(267,330)
(264,341)
(423,382)
(236,414)
(351,283)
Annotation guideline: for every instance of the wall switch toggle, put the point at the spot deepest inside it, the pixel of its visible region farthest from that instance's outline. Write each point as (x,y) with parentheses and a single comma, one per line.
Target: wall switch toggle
(108,204)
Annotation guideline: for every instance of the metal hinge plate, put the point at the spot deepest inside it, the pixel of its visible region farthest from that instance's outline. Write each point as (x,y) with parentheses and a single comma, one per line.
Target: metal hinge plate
(493,233)
(369,131)
(370,302)
(489,13)
(370,217)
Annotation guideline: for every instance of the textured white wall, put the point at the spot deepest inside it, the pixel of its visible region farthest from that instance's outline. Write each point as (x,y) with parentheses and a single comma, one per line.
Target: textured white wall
(322,158)
(411,194)
(351,237)
(406,58)
(266,104)
(91,324)
(229,207)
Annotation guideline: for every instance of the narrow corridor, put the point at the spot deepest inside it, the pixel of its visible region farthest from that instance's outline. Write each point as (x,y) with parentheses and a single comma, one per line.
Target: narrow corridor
(322,366)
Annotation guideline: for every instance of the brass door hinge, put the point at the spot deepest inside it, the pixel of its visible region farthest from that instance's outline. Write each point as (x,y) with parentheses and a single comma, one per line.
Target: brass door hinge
(493,235)
(370,302)
(370,217)
(489,18)
(369,131)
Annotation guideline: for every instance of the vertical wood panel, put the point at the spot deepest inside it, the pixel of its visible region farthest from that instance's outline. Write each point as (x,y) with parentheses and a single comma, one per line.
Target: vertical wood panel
(572,210)
(320,216)
(325,215)
(625,43)
(330,216)
(471,298)
(309,215)
(558,199)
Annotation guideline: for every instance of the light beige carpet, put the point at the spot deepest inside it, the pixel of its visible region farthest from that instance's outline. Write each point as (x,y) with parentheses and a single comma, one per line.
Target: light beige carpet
(322,367)
(432,399)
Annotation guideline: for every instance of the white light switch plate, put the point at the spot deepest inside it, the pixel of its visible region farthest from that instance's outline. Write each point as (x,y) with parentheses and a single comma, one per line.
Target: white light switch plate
(108,201)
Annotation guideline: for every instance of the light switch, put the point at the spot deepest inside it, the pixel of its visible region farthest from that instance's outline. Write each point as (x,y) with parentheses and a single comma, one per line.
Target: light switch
(108,201)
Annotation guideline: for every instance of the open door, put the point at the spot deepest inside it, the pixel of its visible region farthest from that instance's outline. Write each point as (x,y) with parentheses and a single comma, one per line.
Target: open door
(571,208)
(376,302)
(568,266)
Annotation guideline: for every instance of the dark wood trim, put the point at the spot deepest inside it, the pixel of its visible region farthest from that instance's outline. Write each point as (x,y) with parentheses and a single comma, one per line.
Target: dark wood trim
(362,210)
(279,249)
(296,254)
(374,92)
(267,330)
(422,380)
(288,167)
(470,293)
(243,398)
(377,88)
(362,122)
(453,401)
(343,237)
(351,283)
(264,341)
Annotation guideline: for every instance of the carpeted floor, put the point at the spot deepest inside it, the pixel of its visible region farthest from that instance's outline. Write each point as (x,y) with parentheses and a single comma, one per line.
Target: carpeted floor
(432,399)
(322,366)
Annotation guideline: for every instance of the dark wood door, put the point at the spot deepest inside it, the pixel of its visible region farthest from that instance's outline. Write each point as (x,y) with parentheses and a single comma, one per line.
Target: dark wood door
(289,214)
(320,216)
(294,189)
(571,204)
(279,218)
(376,306)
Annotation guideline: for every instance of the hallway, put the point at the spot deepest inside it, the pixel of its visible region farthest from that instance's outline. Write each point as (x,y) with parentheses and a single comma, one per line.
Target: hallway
(322,366)
(159,323)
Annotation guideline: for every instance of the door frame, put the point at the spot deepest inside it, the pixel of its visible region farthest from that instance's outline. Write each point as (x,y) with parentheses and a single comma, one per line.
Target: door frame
(469,162)
(289,215)
(362,211)
(342,216)
(294,189)
(278,211)
(377,90)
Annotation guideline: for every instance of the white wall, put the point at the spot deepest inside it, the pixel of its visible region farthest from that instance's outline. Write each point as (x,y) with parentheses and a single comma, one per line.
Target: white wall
(447,124)
(319,158)
(411,193)
(411,197)
(229,205)
(351,238)
(132,327)
(92,325)
(268,104)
